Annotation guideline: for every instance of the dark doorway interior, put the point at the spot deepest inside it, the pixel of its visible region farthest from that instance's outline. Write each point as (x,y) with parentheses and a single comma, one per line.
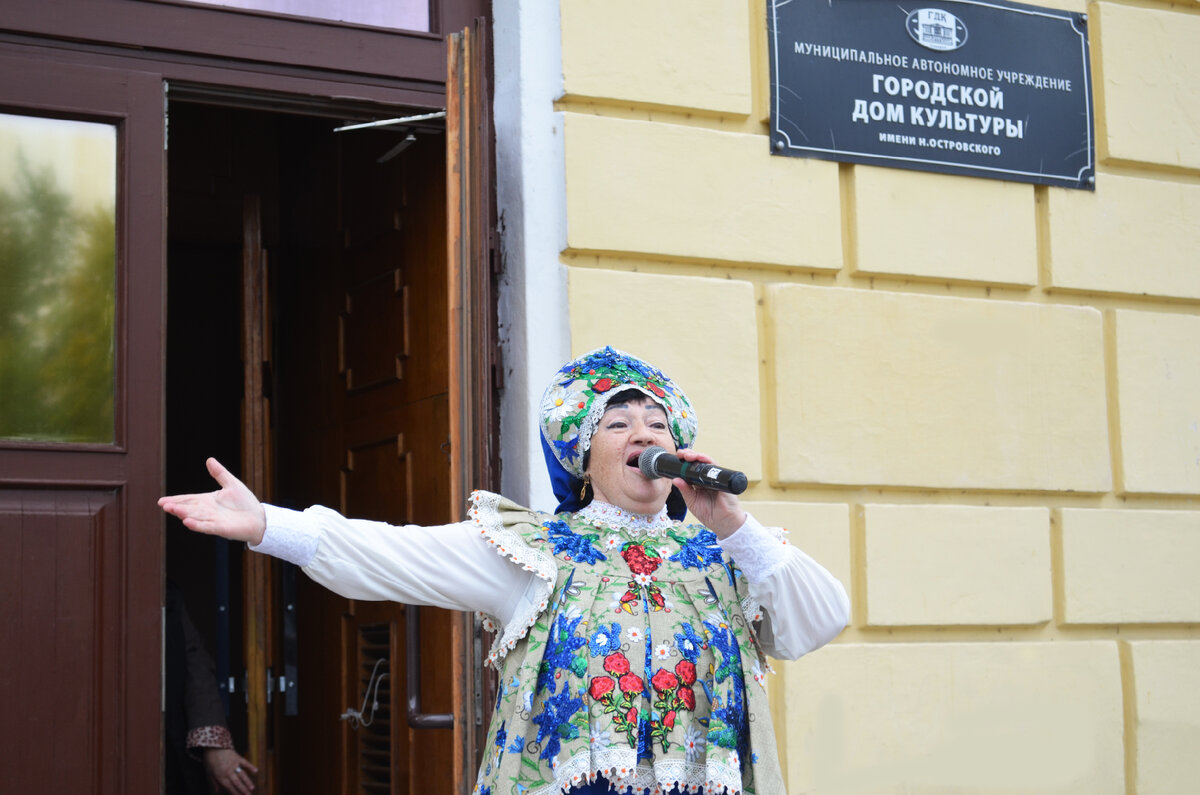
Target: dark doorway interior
(215,156)
(356,384)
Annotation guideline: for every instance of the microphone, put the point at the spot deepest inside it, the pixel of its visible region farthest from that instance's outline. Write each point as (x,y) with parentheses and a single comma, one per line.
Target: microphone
(656,462)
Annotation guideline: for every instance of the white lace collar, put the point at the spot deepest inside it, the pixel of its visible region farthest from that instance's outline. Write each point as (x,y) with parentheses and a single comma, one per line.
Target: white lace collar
(597,512)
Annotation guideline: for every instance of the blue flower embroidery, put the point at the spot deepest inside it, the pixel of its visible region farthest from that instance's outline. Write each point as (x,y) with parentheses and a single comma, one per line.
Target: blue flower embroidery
(698,552)
(569,450)
(722,639)
(727,728)
(645,745)
(501,735)
(605,358)
(688,642)
(554,724)
(728,721)
(518,745)
(606,640)
(561,645)
(579,547)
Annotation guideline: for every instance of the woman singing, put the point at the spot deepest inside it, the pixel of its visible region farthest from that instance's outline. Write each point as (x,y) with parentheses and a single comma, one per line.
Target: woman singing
(631,646)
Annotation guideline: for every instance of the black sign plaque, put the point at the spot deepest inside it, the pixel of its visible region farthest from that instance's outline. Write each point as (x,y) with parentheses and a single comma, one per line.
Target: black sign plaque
(983,88)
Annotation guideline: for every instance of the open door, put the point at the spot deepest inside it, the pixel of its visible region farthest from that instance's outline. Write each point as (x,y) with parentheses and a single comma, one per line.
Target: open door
(474,370)
(261,620)
(366,384)
(360,407)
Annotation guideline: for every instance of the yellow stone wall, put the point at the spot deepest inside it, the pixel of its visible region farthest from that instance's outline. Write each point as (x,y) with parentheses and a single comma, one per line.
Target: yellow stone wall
(994,442)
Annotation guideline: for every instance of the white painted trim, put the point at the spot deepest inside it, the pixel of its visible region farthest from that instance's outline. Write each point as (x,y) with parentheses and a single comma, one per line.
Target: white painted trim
(531,197)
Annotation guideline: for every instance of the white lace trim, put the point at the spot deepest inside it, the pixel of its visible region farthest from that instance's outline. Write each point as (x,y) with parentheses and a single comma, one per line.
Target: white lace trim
(289,535)
(757,550)
(619,767)
(756,560)
(603,513)
(509,543)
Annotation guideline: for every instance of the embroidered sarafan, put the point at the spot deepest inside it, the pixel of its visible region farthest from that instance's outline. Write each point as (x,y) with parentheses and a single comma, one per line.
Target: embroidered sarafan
(636,664)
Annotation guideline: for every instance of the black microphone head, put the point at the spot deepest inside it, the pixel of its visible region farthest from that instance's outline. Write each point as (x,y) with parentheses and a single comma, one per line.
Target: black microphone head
(646,461)
(738,483)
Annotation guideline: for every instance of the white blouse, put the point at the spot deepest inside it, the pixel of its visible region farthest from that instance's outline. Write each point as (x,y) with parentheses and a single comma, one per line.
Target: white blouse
(452,566)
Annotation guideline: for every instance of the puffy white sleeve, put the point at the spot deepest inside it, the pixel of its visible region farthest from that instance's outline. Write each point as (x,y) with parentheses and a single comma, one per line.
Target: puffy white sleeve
(449,566)
(803,605)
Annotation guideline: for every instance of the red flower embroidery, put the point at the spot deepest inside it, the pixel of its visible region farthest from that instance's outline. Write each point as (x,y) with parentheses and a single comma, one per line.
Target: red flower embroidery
(656,389)
(639,562)
(616,663)
(601,686)
(673,693)
(603,385)
(631,683)
(663,680)
(631,716)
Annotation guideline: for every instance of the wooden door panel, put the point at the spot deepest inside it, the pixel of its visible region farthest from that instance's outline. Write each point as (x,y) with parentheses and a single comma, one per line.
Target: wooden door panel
(54,599)
(378,478)
(395,428)
(374,331)
(397,464)
(363,427)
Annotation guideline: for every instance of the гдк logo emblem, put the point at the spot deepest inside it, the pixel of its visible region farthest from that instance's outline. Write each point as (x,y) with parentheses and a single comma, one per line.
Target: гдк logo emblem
(936,29)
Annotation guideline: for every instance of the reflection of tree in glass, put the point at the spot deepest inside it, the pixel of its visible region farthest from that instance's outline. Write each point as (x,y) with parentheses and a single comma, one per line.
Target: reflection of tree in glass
(57,273)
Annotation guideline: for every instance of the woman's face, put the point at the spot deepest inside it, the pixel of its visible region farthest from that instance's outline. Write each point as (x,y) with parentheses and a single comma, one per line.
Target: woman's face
(624,432)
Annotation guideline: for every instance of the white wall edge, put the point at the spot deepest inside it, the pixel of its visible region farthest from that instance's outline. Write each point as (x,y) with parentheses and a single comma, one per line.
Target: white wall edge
(534,323)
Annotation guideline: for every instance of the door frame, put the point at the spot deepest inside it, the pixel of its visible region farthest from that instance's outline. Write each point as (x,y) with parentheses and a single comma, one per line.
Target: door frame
(474,348)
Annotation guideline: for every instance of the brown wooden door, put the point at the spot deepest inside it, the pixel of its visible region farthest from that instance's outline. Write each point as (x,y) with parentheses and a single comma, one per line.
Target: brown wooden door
(80,533)
(362,411)
(260,614)
(474,351)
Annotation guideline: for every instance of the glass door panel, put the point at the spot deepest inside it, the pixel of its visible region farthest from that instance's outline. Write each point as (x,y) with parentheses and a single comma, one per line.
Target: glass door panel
(58,201)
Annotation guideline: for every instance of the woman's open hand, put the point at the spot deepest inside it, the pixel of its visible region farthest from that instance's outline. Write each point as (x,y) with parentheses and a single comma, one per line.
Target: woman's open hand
(231,512)
(719,511)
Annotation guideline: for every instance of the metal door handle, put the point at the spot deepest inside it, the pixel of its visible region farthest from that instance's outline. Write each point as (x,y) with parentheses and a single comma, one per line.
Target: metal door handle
(412,676)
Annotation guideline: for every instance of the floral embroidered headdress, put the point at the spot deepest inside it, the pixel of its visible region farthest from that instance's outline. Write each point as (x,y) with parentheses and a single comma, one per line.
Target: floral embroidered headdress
(575,400)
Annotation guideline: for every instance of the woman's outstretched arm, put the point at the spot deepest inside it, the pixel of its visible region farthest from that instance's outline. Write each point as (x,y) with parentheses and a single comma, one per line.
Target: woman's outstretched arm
(448,566)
